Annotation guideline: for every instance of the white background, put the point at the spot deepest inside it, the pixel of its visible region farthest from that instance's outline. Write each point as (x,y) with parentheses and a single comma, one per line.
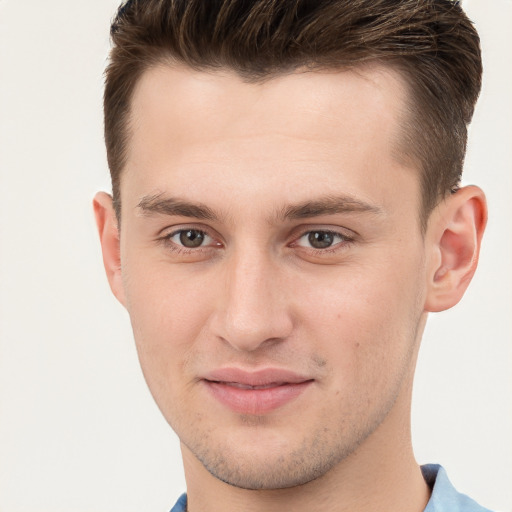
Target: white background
(78,429)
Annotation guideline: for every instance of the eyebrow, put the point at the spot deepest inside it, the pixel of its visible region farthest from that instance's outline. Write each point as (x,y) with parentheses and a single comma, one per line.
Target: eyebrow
(158,203)
(329,205)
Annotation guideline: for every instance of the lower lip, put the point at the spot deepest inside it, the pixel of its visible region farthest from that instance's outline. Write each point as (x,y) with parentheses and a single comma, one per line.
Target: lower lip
(256,401)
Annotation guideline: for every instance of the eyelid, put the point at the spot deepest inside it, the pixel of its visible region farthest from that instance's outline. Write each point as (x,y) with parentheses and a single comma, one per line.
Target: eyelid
(335,230)
(348,237)
(206,238)
(167,233)
(172,230)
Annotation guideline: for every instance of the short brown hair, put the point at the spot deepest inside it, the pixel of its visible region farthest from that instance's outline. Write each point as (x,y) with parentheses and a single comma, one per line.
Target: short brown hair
(431,42)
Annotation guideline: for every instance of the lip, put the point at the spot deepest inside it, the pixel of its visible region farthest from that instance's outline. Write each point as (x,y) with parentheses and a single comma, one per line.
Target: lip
(255,392)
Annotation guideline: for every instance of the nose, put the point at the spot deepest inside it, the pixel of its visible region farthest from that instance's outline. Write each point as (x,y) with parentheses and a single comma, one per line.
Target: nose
(252,310)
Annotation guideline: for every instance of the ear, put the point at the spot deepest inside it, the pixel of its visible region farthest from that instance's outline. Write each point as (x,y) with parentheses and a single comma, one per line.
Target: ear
(454,235)
(106,222)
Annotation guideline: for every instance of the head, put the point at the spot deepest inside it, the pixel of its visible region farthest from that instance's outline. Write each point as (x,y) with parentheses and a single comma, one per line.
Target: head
(285,214)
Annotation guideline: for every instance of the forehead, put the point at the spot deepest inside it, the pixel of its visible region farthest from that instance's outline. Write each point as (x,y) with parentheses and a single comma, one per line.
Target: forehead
(213,128)
(180,100)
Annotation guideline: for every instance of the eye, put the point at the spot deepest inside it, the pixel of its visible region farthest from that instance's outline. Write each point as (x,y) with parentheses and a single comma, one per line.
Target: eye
(321,239)
(190,238)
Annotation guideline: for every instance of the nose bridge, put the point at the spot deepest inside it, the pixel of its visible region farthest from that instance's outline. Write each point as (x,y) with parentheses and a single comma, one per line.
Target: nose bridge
(254,308)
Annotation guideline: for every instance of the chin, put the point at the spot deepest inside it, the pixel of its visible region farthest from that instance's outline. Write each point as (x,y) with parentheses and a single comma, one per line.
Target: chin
(266,476)
(264,464)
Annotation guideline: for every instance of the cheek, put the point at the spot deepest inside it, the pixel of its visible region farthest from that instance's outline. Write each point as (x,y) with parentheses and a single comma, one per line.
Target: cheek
(168,313)
(161,297)
(365,298)
(364,319)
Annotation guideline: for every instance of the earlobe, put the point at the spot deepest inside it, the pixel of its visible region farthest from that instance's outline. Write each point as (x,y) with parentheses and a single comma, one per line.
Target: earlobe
(110,244)
(454,236)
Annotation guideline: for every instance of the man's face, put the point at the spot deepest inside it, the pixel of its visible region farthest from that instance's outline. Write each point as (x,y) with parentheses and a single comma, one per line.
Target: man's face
(273,267)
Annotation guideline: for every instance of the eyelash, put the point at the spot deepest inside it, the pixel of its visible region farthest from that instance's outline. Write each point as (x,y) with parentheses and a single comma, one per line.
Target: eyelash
(180,249)
(335,247)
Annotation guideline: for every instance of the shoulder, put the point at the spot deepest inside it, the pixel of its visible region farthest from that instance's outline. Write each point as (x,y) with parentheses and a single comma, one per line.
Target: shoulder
(445,497)
(181,504)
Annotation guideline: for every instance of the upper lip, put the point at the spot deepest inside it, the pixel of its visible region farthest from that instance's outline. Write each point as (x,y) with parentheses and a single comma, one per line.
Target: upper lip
(261,377)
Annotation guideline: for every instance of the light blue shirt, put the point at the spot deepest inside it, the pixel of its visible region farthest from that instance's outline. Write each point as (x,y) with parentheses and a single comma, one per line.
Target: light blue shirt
(444,497)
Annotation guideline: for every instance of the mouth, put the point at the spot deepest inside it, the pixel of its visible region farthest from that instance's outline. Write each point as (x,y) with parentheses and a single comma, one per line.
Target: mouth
(257,392)
(240,385)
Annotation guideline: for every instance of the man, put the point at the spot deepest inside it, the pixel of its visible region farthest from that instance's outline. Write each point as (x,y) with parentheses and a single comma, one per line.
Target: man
(286,212)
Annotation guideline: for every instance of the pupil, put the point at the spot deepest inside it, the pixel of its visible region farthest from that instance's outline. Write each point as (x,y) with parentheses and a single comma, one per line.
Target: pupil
(191,238)
(320,239)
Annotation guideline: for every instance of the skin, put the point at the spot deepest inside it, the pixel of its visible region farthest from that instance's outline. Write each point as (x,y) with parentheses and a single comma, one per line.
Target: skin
(257,294)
